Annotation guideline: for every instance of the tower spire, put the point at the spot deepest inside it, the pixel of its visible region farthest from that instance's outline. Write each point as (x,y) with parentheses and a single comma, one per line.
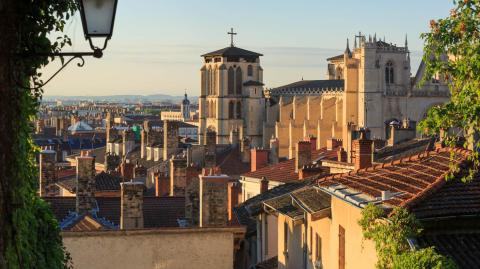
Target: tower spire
(347,50)
(406,41)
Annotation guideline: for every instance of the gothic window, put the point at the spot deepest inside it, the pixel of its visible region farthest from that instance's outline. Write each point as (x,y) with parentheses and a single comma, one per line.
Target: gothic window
(238,81)
(215,81)
(250,70)
(239,110)
(389,74)
(231,110)
(214,109)
(231,80)
(210,71)
(207,81)
(339,73)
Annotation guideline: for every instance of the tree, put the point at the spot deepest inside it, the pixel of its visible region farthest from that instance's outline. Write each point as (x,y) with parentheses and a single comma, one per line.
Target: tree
(29,233)
(452,52)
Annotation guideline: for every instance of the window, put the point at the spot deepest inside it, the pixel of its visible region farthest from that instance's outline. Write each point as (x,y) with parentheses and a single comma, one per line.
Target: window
(250,70)
(341,247)
(215,80)
(231,80)
(238,81)
(239,110)
(389,74)
(231,110)
(318,247)
(204,81)
(285,238)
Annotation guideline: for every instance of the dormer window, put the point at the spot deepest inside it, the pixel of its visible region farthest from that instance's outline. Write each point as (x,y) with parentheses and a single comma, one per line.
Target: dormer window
(389,74)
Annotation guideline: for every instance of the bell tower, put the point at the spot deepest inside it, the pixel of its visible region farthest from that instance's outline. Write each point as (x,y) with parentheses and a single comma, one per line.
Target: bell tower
(231,96)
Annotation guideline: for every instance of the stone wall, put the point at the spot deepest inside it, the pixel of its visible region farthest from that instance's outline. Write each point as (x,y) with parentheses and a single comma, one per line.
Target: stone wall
(156,249)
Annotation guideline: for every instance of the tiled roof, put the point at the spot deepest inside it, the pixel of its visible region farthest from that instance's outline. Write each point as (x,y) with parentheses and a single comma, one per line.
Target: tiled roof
(410,179)
(271,263)
(308,87)
(248,210)
(103,182)
(232,52)
(157,211)
(285,171)
(308,198)
(230,163)
(402,150)
(463,248)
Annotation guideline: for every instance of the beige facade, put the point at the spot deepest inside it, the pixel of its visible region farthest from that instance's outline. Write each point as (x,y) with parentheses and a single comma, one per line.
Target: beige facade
(325,233)
(376,88)
(162,248)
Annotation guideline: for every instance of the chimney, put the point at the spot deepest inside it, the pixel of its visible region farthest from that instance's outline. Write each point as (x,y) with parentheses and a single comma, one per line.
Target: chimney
(363,153)
(210,149)
(313,142)
(303,155)
(170,138)
(131,205)
(309,170)
(192,202)
(143,143)
(333,143)
(341,155)
(213,196)
(47,173)
(259,159)
(85,196)
(245,150)
(162,184)
(178,174)
(128,138)
(234,197)
(127,169)
(274,150)
(263,185)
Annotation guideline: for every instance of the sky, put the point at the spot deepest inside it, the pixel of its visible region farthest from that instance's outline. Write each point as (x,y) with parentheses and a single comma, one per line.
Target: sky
(156,44)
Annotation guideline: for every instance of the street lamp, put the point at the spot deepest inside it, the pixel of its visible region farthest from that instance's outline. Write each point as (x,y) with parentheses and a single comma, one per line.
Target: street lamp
(98,17)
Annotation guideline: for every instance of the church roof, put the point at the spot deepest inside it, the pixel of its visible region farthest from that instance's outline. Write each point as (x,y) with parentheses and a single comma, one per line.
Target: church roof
(232,52)
(80,127)
(338,57)
(308,87)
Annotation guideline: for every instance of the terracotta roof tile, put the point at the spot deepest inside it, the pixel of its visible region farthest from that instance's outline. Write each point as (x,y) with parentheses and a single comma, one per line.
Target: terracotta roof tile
(414,179)
(285,171)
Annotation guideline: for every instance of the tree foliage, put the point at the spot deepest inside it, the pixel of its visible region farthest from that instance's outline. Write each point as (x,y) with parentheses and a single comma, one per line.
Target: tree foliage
(452,52)
(390,238)
(30,236)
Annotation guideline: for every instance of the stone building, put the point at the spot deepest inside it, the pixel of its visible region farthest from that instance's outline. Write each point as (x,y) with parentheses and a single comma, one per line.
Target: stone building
(369,86)
(231,97)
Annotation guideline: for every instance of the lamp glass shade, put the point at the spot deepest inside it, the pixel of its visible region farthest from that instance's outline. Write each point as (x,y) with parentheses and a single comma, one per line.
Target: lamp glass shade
(98,17)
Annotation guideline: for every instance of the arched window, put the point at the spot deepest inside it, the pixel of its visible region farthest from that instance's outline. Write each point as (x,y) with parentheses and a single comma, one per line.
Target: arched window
(339,73)
(238,81)
(231,80)
(389,73)
(231,110)
(211,81)
(239,110)
(215,80)
(214,111)
(250,70)
(207,81)
(204,80)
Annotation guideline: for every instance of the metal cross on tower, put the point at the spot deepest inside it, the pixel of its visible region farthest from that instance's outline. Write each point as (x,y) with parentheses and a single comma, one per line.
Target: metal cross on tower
(231,33)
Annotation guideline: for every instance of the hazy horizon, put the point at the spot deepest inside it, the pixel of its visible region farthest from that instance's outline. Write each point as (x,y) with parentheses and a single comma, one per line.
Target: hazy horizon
(156,45)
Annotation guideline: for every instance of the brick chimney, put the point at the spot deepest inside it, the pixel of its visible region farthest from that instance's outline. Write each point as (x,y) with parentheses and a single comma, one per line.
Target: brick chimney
(170,138)
(47,173)
(313,142)
(210,149)
(85,196)
(234,197)
(274,150)
(263,185)
(259,158)
(341,155)
(333,143)
(309,170)
(162,184)
(127,169)
(213,196)
(362,148)
(131,205)
(128,141)
(303,155)
(178,176)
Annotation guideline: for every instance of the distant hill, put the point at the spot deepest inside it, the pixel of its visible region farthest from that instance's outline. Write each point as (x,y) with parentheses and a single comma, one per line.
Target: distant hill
(121,98)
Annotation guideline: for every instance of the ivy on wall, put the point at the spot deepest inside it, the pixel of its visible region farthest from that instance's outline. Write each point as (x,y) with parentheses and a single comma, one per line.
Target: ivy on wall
(390,238)
(30,236)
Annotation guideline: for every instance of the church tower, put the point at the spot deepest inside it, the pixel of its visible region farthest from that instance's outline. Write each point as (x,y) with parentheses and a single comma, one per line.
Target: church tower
(185,108)
(231,98)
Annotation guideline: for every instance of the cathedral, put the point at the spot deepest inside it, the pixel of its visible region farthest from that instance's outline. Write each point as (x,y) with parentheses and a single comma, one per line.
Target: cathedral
(368,86)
